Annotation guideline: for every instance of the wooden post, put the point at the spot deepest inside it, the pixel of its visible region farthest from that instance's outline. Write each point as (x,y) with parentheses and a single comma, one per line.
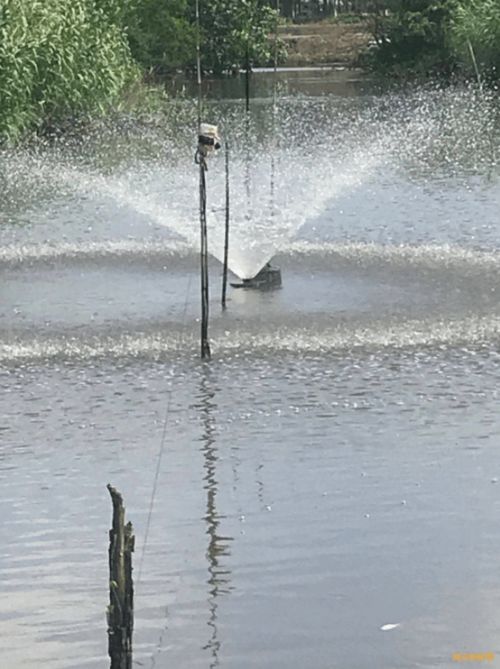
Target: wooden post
(121,588)
(226,235)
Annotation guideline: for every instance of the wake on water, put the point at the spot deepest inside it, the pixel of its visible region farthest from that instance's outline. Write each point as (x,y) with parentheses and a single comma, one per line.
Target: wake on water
(306,334)
(323,149)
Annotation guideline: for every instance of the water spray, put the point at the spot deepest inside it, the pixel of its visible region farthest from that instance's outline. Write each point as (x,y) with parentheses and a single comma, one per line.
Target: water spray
(268,277)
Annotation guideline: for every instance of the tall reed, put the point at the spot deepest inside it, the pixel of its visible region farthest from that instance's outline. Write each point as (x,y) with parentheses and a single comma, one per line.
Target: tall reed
(59,59)
(475,36)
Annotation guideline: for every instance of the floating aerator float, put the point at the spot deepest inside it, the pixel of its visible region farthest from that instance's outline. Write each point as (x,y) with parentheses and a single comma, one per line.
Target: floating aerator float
(269,278)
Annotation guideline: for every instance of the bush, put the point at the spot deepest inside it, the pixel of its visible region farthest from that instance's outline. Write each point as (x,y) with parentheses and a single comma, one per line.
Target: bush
(160,34)
(476,24)
(60,59)
(414,37)
(233,31)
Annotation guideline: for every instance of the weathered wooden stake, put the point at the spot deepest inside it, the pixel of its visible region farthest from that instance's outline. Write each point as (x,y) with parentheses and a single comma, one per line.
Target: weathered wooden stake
(121,587)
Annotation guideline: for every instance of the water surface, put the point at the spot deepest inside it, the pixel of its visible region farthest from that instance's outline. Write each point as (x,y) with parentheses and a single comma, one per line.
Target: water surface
(334,468)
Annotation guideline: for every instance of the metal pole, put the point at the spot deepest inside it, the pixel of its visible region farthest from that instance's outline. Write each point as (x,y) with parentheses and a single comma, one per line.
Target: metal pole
(247,78)
(274,112)
(247,123)
(474,62)
(205,345)
(198,61)
(226,237)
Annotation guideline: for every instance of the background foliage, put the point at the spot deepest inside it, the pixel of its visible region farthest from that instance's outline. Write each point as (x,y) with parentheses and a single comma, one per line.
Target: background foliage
(161,34)
(59,58)
(64,59)
(476,24)
(436,36)
(413,36)
(231,31)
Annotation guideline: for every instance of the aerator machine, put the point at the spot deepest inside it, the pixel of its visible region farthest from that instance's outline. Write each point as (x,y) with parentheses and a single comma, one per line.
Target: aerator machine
(268,278)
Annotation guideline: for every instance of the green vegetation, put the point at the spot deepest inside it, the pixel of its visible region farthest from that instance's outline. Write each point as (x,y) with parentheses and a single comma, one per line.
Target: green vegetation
(62,60)
(475,35)
(413,37)
(161,34)
(439,37)
(234,31)
(59,58)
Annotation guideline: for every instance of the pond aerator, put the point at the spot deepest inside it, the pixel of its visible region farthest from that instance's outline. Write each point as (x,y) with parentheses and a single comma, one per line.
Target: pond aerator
(269,278)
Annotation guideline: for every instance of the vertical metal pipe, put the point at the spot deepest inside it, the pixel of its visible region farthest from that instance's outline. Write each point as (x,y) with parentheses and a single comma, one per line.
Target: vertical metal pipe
(205,345)
(474,62)
(274,111)
(247,119)
(247,79)
(226,235)
(198,60)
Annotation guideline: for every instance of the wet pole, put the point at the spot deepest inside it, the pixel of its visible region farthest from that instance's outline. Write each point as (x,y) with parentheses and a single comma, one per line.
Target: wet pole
(247,78)
(247,118)
(226,233)
(205,345)
(120,612)
(274,113)
(474,63)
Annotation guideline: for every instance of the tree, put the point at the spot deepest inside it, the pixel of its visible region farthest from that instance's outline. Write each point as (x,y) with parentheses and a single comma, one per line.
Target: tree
(160,34)
(236,30)
(475,34)
(414,36)
(59,59)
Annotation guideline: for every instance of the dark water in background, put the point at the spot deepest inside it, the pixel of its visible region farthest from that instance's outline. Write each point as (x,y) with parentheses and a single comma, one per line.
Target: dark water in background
(335,468)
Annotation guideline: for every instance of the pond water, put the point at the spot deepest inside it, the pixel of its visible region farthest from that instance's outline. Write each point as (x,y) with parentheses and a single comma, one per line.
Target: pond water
(335,468)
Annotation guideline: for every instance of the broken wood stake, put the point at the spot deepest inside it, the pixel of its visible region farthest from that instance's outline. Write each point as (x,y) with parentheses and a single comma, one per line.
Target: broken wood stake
(121,587)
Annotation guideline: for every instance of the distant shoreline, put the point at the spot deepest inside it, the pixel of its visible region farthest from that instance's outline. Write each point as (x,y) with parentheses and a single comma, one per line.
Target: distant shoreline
(324,43)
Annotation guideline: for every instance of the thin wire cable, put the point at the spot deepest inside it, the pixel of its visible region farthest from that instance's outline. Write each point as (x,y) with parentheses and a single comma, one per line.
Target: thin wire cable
(162,446)
(156,479)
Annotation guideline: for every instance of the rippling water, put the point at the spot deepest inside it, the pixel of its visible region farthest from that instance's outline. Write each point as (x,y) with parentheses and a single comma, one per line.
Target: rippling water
(334,469)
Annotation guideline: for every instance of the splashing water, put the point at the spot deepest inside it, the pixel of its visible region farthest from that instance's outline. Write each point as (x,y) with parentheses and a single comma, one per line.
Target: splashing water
(283,178)
(261,223)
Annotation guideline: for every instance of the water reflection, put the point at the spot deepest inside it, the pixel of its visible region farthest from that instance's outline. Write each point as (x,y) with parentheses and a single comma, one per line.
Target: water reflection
(290,82)
(219,577)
